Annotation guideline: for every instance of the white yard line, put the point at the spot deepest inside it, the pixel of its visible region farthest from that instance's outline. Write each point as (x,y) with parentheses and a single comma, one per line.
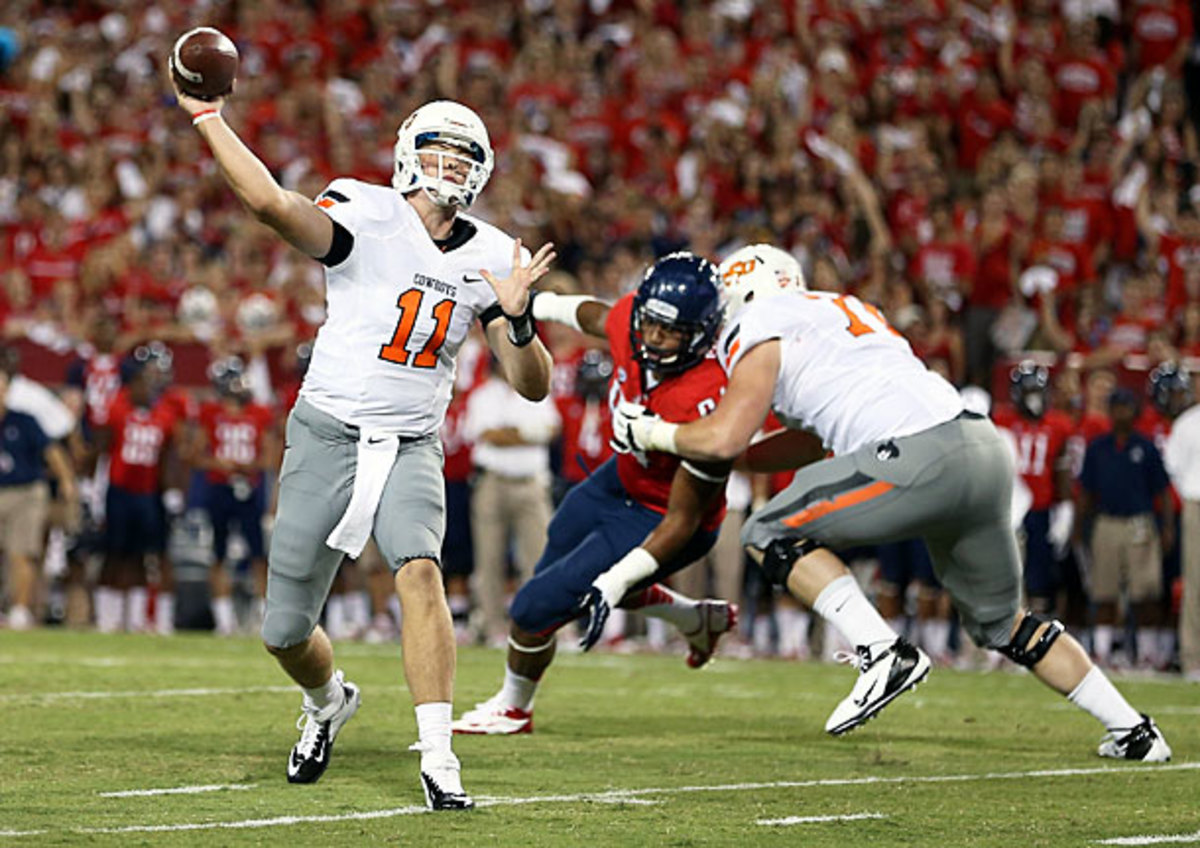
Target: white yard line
(1151,840)
(628,795)
(4,833)
(178,790)
(818,819)
(164,693)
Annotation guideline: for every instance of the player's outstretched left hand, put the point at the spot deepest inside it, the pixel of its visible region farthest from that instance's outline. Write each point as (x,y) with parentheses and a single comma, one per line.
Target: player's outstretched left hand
(598,609)
(513,291)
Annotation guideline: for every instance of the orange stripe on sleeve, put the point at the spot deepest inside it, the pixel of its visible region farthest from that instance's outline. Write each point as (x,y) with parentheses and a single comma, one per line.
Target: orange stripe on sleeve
(848,499)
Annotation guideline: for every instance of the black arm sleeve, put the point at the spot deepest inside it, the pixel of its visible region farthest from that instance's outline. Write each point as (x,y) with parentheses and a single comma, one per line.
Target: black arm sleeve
(343,243)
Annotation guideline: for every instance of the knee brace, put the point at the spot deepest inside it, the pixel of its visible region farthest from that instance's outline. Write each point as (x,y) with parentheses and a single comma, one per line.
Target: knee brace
(1018,649)
(779,556)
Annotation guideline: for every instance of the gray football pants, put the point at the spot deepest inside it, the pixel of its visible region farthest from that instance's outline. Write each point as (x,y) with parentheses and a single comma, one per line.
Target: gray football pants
(950,485)
(315,484)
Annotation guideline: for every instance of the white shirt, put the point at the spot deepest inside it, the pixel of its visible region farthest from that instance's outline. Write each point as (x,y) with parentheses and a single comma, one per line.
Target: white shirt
(496,404)
(398,311)
(844,373)
(1182,454)
(34,399)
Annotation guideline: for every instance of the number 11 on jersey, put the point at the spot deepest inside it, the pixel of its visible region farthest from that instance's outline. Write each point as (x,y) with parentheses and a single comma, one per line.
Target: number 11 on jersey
(410,306)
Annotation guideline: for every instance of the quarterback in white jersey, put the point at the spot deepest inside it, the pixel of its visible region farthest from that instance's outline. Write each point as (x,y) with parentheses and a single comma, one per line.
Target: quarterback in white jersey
(909,462)
(406,274)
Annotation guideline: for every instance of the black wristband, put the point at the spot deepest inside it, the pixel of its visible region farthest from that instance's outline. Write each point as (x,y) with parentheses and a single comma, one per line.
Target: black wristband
(522,329)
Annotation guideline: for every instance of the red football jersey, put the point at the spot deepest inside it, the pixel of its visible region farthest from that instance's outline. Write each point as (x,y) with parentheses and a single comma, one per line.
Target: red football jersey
(682,397)
(235,435)
(1040,444)
(138,438)
(586,429)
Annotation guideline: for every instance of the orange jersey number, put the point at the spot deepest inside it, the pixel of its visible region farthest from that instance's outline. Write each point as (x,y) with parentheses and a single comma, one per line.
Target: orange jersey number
(410,305)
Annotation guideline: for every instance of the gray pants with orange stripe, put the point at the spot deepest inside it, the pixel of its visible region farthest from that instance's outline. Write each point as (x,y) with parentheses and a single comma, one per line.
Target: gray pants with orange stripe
(950,485)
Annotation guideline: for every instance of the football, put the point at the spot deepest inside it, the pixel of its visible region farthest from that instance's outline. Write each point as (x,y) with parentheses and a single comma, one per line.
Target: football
(204,63)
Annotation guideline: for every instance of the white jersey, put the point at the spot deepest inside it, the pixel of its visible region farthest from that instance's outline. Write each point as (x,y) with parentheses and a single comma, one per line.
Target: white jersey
(398,310)
(844,373)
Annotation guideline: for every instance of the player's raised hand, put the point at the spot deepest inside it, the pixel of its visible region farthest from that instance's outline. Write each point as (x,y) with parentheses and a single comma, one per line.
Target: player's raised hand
(192,105)
(513,291)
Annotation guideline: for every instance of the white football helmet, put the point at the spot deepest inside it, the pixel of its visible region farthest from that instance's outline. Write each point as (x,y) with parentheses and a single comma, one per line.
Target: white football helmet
(450,123)
(758,271)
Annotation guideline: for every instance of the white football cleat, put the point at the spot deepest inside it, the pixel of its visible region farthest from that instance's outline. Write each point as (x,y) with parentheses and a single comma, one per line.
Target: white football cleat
(1142,742)
(441,780)
(716,619)
(493,718)
(318,729)
(886,671)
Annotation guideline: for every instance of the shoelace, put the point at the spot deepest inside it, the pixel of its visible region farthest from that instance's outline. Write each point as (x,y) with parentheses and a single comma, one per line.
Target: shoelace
(860,658)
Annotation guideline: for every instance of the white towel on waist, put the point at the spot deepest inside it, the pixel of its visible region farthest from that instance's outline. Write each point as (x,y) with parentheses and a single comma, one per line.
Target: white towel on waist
(376,456)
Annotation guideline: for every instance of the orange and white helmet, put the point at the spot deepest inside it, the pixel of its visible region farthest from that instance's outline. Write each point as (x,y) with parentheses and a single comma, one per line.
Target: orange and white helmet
(758,271)
(443,122)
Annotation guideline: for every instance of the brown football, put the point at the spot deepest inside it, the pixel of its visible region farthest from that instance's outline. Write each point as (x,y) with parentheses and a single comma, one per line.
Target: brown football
(204,63)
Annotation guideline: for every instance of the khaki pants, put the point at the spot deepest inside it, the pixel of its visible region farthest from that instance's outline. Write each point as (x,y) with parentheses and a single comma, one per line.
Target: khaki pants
(502,508)
(1189,615)
(1126,551)
(23,513)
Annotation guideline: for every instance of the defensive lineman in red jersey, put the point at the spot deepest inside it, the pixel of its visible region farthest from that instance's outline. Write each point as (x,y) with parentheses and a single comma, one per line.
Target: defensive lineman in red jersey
(652,510)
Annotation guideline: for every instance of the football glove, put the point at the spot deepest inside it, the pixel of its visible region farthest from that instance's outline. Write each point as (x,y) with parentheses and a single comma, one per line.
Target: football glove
(632,426)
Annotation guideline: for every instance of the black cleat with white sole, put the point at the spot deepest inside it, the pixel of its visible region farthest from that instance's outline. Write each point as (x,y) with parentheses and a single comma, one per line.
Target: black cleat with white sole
(438,797)
(310,756)
(886,671)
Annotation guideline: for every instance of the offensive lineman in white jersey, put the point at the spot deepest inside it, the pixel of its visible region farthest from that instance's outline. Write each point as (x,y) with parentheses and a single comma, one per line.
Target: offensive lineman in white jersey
(908,461)
(406,274)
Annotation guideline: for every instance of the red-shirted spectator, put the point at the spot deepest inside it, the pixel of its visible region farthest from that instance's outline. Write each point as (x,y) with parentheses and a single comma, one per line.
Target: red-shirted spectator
(1160,34)
(1082,72)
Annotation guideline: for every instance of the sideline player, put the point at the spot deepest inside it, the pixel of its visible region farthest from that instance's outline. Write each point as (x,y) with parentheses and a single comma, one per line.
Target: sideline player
(234,444)
(652,510)
(405,276)
(908,461)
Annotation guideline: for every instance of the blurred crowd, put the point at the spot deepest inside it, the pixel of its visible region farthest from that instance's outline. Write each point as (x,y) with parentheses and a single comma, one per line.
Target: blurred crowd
(1006,180)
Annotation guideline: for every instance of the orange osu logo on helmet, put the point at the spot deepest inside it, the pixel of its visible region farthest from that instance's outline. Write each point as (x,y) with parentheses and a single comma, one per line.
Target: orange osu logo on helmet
(737,269)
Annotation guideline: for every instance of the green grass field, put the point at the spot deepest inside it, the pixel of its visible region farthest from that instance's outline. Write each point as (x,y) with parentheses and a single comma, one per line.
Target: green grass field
(629,750)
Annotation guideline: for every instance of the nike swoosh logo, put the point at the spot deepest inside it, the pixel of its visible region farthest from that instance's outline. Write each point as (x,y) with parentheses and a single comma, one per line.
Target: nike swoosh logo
(862,702)
(467,279)
(375,440)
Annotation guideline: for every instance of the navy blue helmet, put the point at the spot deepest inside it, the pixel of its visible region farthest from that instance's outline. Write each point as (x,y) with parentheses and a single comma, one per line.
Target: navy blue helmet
(1027,385)
(155,357)
(1170,389)
(592,374)
(682,292)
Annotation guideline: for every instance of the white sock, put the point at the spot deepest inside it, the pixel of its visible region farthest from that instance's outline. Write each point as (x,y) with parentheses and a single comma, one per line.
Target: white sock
(656,633)
(164,614)
(1096,694)
(793,632)
(330,695)
(935,636)
(517,691)
(433,728)
(358,611)
(762,634)
(614,628)
(1102,640)
(335,617)
(1147,646)
(110,609)
(135,609)
(223,616)
(843,605)
(672,607)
